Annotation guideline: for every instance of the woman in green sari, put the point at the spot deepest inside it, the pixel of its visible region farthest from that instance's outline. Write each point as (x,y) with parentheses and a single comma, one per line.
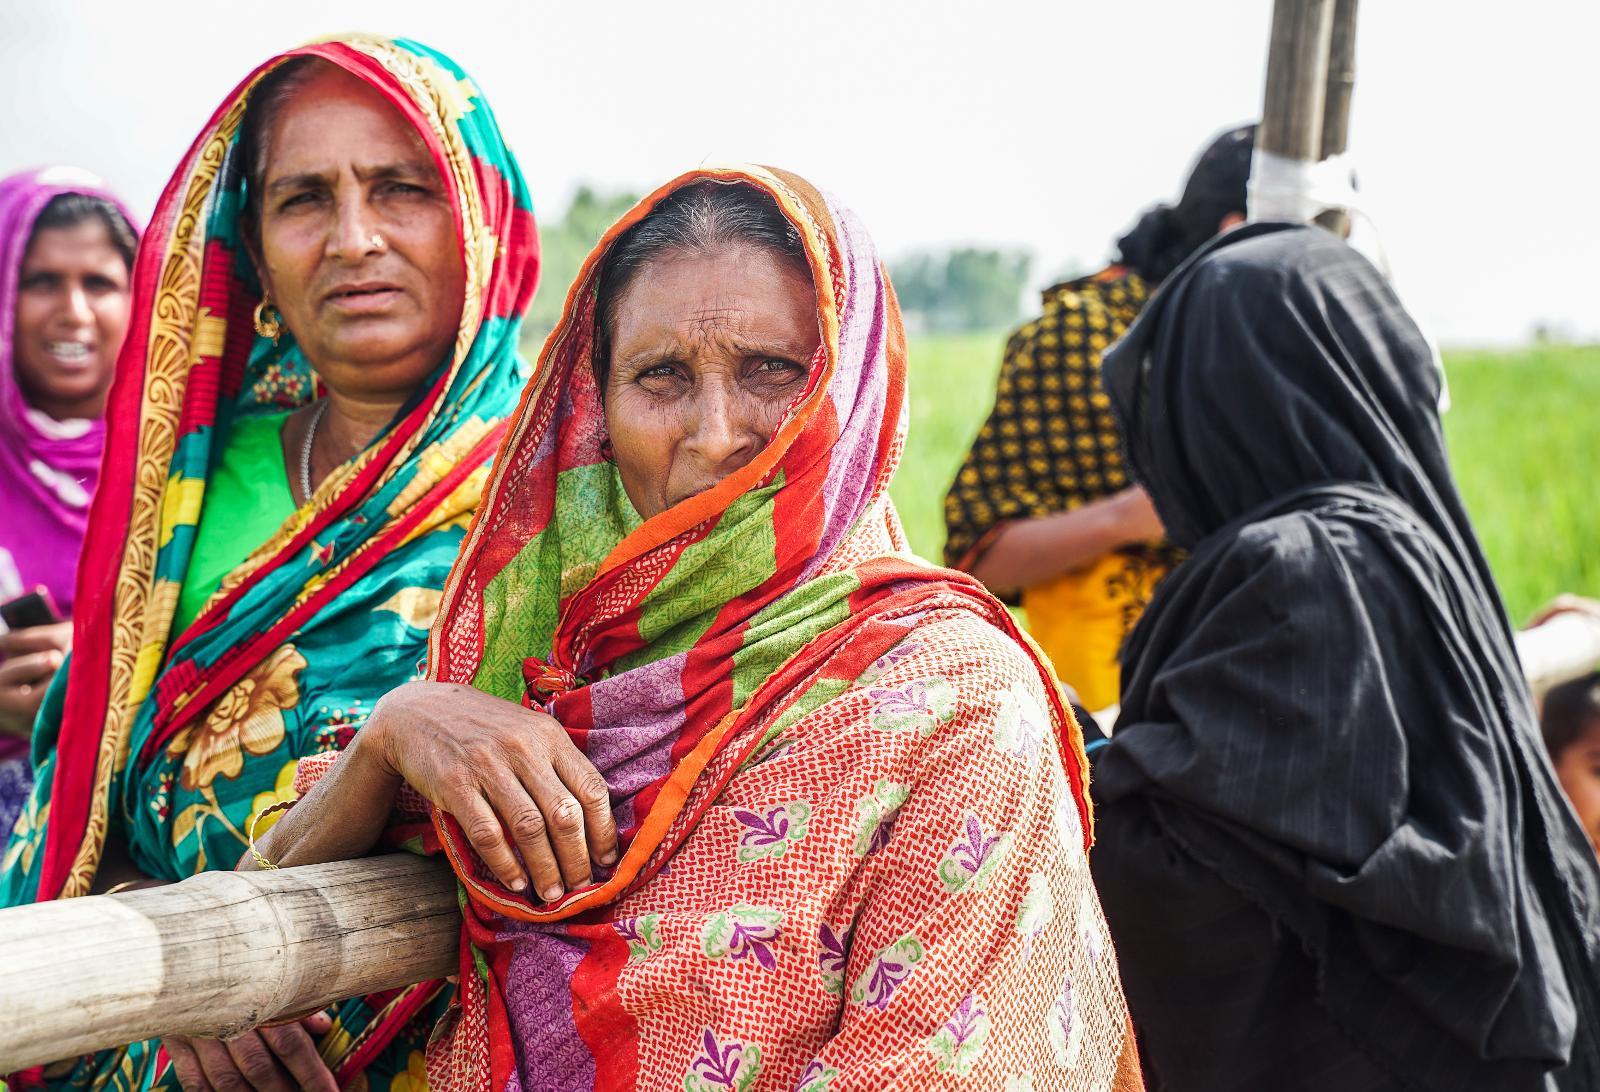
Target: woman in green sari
(323,349)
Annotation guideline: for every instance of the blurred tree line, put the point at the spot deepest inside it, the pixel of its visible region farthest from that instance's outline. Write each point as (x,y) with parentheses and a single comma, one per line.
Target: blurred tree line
(563,245)
(964,288)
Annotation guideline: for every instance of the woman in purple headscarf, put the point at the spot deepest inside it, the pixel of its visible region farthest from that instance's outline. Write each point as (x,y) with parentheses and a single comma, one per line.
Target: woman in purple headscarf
(66,251)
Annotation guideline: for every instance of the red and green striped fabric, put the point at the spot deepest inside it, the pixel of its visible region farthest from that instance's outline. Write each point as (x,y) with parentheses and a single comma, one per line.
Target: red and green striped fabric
(661,644)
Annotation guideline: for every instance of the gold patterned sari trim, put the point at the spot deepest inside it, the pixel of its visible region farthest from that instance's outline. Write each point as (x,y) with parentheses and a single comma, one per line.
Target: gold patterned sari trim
(180,336)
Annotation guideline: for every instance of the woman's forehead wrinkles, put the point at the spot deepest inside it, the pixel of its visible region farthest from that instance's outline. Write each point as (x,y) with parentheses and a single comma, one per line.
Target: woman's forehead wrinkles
(714,320)
(397,170)
(736,333)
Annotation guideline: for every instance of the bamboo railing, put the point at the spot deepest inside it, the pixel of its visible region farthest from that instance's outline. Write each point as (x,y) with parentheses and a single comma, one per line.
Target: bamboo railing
(218,953)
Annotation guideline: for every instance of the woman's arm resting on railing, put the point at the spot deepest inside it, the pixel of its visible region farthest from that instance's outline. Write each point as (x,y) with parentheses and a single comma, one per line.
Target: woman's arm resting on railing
(339,819)
(493,765)
(343,815)
(219,953)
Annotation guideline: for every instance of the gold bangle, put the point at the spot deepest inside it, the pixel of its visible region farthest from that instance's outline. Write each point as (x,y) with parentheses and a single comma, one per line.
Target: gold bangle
(250,833)
(117,889)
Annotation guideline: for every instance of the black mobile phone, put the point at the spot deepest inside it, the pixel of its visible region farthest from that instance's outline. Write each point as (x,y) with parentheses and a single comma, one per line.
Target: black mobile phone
(36,608)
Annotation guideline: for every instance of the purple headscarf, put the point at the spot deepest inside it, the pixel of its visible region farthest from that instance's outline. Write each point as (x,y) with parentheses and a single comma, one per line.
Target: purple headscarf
(46,475)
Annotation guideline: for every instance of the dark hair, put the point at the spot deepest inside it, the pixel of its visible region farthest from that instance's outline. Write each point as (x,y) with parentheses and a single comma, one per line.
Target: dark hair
(66,210)
(267,98)
(1167,234)
(1569,710)
(700,218)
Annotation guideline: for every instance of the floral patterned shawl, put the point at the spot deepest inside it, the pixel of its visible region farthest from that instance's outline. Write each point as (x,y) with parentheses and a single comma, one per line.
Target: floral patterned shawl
(851,802)
(166,742)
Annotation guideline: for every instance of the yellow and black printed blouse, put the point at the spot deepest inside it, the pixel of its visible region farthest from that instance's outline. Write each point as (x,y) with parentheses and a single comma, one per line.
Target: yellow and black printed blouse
(1051,443)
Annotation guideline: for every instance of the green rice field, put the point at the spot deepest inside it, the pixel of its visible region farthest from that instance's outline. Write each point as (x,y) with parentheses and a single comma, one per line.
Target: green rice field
(1524,434)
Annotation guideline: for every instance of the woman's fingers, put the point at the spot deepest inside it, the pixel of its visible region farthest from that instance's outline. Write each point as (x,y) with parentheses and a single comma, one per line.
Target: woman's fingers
(29,669)
(22,691)
(535,831)
(18,707)
(318,1024)
(482,827)
(217,1066)
(275,1059)
(534,810)
(257,1063)
(564,826)
(296,1051)
(185,1064)
(586,785)
(54,637)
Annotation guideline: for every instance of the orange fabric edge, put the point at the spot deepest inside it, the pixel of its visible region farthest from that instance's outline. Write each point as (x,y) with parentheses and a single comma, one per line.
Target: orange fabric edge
(1129,1076)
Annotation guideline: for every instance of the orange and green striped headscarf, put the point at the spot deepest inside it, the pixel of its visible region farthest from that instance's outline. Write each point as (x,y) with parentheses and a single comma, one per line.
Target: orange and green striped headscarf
(667,646)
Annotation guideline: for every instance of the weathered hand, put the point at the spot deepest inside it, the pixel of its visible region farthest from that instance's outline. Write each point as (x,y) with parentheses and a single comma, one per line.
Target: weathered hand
(500,769)
(29,659)
(270,1059)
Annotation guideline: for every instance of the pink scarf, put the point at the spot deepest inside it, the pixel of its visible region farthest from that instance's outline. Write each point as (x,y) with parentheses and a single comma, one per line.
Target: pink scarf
(47,474)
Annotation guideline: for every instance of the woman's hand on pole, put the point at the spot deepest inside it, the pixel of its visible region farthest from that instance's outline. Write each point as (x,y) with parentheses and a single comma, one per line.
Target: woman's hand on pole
(281,1058)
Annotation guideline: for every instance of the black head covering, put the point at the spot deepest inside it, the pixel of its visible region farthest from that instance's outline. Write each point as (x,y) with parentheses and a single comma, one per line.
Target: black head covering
(1167,234)
(1322,703)
(1285,361)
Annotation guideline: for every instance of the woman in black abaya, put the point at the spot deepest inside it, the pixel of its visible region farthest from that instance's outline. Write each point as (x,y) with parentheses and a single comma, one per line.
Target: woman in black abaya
(1331,849)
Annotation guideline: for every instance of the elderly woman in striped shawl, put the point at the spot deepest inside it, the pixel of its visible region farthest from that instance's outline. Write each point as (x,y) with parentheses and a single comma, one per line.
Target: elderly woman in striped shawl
(817,814)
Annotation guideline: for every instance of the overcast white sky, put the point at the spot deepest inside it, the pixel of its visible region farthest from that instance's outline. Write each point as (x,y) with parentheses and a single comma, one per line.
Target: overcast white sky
(1043,124)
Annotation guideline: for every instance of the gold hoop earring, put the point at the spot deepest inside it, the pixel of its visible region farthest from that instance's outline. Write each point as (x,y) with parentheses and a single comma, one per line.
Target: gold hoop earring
(269,322)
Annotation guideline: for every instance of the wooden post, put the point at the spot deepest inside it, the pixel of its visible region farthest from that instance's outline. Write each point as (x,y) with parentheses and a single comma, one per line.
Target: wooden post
(1341,84)
(1297,77)
(218,953)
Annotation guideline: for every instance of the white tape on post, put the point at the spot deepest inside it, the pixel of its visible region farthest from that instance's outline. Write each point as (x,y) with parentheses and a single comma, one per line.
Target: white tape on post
(1297,190)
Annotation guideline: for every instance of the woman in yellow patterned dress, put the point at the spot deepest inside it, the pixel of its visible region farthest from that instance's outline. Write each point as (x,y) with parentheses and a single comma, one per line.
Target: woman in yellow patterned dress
(1043,508)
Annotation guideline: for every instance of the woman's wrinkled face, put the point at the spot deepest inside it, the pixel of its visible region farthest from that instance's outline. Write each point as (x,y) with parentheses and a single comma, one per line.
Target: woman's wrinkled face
(707,352)
(1578,769)
(72,313)
(358,244)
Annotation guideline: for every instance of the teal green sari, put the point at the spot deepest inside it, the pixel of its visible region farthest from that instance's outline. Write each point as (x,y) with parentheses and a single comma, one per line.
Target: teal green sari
(162,744)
